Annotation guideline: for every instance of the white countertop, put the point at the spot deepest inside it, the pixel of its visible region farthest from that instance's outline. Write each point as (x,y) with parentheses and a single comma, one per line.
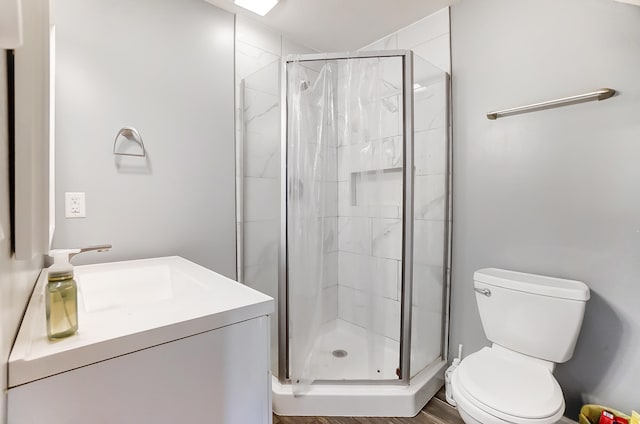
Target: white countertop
(174,299)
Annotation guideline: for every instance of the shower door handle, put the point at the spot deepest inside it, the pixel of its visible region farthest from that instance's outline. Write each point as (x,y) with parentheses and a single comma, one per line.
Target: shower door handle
(484,292)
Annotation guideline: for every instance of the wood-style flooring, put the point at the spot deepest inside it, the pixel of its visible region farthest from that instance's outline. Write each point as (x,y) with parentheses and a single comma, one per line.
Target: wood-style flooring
(437,411)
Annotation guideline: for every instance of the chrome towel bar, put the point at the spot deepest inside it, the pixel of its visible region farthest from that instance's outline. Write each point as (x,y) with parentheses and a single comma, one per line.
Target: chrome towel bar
(601,94)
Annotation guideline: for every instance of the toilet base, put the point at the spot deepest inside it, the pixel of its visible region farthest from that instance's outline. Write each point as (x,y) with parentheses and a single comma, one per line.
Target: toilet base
(468,419)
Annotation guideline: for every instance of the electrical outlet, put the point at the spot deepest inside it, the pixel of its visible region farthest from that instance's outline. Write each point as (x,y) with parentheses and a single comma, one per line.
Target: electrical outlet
(74,205)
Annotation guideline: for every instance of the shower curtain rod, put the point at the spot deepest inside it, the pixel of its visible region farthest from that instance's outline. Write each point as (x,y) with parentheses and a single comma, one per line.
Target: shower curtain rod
(601,94)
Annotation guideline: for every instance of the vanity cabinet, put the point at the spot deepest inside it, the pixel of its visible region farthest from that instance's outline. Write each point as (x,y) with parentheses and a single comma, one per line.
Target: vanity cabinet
(208,363)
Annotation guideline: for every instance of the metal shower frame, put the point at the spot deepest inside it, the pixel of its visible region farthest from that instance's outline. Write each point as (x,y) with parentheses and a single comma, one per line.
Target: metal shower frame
(407,222)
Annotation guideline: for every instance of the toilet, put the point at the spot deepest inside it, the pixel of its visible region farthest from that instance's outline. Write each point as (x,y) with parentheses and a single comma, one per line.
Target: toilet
(533,323)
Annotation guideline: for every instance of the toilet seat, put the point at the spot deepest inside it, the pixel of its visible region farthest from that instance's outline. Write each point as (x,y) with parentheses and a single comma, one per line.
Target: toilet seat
(507,387)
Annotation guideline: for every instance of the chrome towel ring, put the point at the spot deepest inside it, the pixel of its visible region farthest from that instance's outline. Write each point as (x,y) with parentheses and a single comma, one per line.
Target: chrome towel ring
(131,134)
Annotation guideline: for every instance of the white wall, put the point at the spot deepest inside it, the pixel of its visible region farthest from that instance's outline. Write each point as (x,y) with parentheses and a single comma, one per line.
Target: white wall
(552,192)
(166,68)
(428,38)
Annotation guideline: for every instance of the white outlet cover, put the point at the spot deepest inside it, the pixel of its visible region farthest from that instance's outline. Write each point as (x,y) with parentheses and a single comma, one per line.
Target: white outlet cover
(74,205)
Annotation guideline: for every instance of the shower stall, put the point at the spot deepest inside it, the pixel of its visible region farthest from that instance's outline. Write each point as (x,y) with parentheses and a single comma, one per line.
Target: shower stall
(364,233)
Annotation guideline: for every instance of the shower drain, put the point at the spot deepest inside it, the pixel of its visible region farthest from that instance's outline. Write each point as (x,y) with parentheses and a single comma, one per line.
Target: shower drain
(339,353)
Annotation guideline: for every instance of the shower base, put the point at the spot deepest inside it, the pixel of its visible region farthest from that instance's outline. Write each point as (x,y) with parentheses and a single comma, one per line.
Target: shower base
(348,352)
(371,399)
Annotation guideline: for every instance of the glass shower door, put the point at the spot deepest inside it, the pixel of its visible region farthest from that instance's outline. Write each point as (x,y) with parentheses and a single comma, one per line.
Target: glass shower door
(345,218)
(431,215)
(258,173)
(310,239)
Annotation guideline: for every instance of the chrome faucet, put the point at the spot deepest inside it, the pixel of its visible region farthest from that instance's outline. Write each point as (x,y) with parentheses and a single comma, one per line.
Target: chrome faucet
(97,248)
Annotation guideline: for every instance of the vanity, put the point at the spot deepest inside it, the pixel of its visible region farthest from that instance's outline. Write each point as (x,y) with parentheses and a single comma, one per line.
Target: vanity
(160,341)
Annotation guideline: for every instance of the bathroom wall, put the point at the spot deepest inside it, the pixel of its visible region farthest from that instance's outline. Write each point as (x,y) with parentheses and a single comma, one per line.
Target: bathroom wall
(370,152)
(552,192)
(17,277)
(167,69)
(428,38)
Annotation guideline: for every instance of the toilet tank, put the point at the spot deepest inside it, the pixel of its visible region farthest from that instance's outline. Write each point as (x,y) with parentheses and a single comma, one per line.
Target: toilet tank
(532,314)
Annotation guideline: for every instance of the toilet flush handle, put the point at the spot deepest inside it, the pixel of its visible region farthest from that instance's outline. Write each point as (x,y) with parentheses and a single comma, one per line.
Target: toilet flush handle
(485,292)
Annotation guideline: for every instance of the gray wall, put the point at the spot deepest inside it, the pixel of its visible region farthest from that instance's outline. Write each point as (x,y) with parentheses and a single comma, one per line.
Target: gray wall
(553,192)
(17,277)
(166,68)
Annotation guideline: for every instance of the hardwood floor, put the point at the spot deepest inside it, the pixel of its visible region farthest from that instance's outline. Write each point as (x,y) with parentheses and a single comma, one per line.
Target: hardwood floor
(437,411)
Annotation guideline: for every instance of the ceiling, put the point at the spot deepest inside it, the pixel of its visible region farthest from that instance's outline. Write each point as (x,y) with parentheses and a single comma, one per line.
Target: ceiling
(340,25)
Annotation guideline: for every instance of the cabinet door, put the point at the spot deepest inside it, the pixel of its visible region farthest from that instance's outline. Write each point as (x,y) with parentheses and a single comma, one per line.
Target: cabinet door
(220,376)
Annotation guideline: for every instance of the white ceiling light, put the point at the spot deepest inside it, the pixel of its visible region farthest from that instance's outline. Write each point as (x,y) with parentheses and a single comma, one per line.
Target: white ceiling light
(261,7)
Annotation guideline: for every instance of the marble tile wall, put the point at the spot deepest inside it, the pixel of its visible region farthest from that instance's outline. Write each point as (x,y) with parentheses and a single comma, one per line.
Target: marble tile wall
(370,197)
(258,53)
(370,236)
(428,38)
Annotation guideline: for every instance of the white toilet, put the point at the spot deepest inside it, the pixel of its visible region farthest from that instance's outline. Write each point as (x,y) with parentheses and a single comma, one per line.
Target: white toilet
(533,322)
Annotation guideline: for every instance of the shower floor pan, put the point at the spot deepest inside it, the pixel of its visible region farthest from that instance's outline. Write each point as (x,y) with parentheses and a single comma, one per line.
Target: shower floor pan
(375,399)
(349,352)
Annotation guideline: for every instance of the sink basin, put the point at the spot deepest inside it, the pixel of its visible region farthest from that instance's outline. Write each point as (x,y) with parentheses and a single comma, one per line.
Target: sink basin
(132,285)
(128,306)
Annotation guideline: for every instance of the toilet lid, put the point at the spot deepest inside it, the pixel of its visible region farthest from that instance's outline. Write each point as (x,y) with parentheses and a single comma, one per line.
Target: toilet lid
(514,386)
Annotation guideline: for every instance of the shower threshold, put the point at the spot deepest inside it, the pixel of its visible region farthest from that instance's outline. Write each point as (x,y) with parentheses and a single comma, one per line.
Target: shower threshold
(361,400)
